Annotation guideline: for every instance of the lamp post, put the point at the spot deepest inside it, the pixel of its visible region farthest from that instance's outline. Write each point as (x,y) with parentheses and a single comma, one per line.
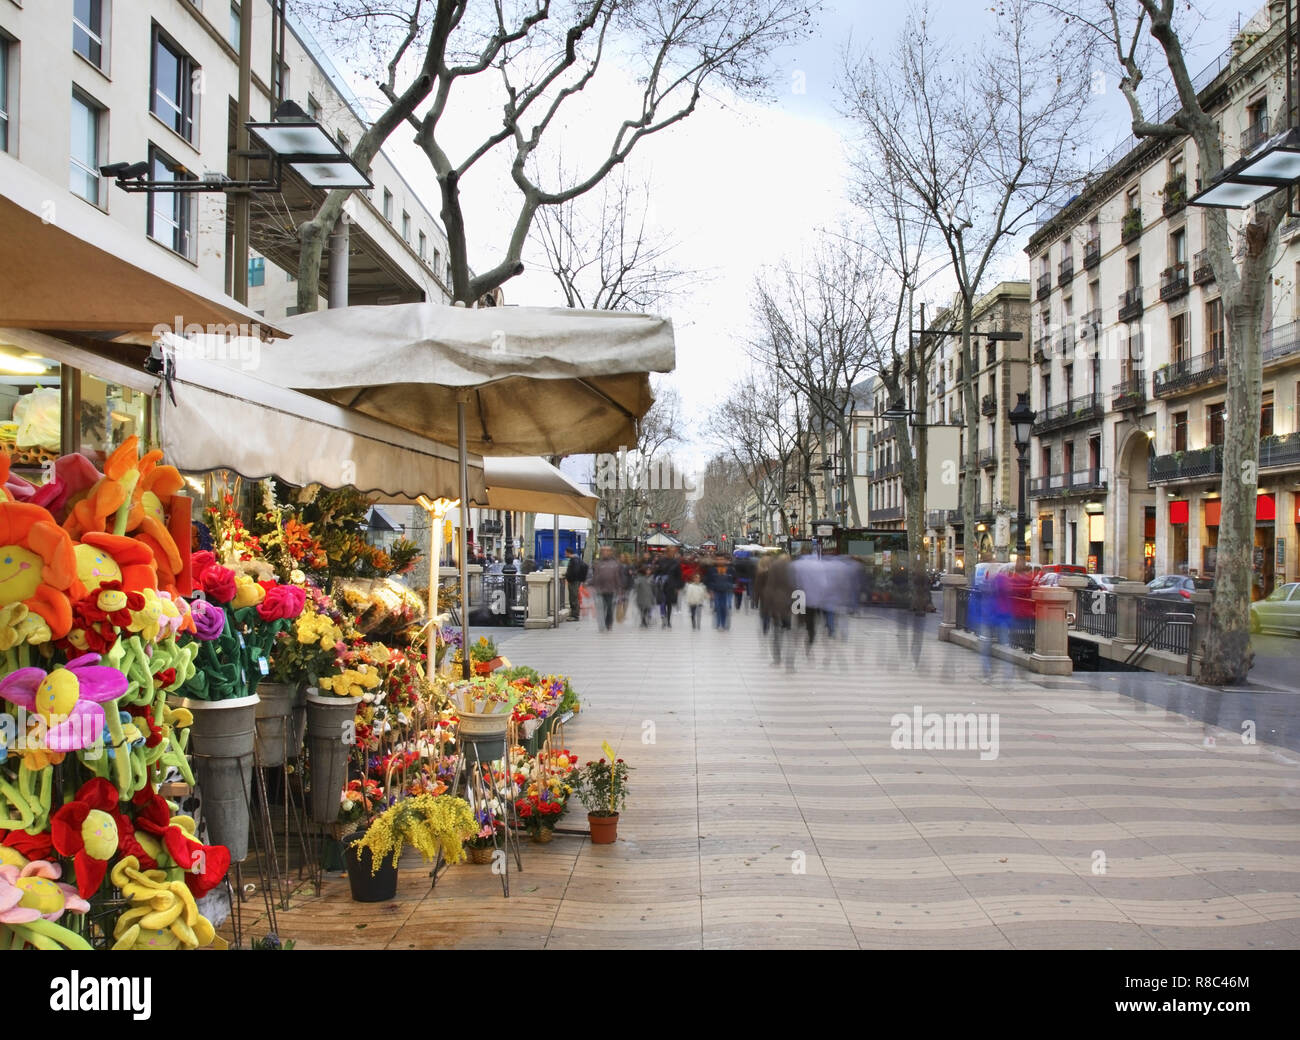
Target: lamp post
(1022,422)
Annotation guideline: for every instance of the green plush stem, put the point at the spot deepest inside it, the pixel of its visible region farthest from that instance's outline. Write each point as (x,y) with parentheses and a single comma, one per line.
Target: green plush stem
(118,738)
(27,813)
(129,481)
(58,937)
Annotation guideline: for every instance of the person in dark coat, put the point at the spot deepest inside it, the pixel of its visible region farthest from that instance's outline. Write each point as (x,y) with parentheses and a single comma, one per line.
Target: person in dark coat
(574,575)
(668,578)
(776,597)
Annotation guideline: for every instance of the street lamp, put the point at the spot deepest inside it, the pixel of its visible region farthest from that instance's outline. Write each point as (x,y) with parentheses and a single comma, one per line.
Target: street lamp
(1275,164)
(1022,424)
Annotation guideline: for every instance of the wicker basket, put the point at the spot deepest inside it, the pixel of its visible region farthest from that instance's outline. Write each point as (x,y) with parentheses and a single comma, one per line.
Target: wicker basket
(482,855)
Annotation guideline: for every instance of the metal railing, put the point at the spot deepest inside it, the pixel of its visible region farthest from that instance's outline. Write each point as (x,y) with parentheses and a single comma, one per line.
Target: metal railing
(1190,372)
(1044,285)
(1075,410)
(988,404)
(1175,195)
(889,513)
(1162,625)
(1130,392)
(1042,350)
(1096,612)
(987,457)
(1173,281)
(1092,253)
(1094,479)
(1279,449)
(1186,465)
(1022,624)
(1281,341)
(1131,225)
(1202,272)
(1255,134)
(1130,303)
(1065,271)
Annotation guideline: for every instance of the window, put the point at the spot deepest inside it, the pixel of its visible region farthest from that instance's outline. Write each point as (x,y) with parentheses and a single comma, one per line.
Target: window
(860,451)
(1069,382)
(279,80)
(174,75)
(1094,296)
(1134,272)
(449,273)
(1132,200)
(1047,461)
(85,156)
(232,32)
(424,247)
(313,108)
(1047,391)
(1214,423)
(1178,247)
(992,358)
(1180,431)
(388,205)
(344,143)
(171,214)
(256,271)
(1214,327)
(5,48)
(437,261)
(1176,167)
(406,226)
(1266,414)
(1067,457)
(88,30)
(1178,347)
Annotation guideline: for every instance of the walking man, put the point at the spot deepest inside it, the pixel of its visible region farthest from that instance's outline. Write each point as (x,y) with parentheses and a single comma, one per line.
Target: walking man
(575,573)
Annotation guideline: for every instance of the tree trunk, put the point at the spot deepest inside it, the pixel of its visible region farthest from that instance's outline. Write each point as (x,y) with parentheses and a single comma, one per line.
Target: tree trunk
(1226,654)
(970,409)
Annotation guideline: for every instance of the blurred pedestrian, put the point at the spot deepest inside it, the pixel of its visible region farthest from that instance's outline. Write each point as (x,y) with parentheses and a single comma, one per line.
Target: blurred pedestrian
(575,573)
(696,596)
(608,582)
(644,593)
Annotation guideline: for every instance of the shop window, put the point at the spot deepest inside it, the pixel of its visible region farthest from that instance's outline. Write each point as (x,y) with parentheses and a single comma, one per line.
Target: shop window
(1180,431)
(30,410)
(174,78)
(109,415)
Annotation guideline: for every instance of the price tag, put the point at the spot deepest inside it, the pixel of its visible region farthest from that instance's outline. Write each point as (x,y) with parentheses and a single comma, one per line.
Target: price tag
(263,667)
(241,639)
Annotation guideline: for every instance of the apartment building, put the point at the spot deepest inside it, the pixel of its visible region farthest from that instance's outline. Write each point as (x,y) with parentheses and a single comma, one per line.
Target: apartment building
(84,83)
(1130,348)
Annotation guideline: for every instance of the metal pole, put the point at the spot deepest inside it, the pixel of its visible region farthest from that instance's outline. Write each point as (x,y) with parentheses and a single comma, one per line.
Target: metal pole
(555,573)
(242,116)
(338,286)
(464,528)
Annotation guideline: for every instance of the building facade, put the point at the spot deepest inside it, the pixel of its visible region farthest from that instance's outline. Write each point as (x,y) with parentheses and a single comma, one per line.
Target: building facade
(1130,348)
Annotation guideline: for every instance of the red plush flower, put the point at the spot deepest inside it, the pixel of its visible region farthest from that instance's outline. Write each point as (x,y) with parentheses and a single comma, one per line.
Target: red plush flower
(92,829)
(29,846)
(282,602)
(201,561)
(205,865)
(218,583)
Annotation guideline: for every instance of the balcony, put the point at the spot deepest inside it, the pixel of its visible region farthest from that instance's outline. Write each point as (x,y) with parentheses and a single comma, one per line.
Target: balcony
(1189,374)
(952,516)
(1173,281)
(988,458)
(489,527)
(989,404)
(886,515)
(1186,465)
(889,469)
(1091,253)
(1279,451)
(1130,393)
(1065,272)
(1061,485)
(1045,285)
(1067,341)
(1091,319)
(1280,342)
(1069,413)
(1131,226)
(956,419)
(1130,304)
(1255,134)
(1042,350)
(1175,195)
(1202,272)
(935,519)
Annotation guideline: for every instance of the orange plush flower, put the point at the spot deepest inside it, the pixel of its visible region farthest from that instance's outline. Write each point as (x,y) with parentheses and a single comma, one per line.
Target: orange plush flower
(38,567)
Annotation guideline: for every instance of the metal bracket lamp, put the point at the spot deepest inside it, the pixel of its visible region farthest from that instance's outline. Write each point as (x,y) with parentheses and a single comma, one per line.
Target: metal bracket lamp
(293,140)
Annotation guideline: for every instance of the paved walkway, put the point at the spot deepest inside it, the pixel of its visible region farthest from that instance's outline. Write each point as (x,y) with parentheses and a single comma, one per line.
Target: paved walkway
(769,808)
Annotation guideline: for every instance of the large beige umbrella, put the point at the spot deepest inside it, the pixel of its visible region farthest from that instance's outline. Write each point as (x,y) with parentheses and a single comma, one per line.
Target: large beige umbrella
(523,380)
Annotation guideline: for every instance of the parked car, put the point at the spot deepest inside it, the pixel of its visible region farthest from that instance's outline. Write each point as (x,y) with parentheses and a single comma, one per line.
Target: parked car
(1106,582)
(1040,575)
(1279,611)
(1177,586)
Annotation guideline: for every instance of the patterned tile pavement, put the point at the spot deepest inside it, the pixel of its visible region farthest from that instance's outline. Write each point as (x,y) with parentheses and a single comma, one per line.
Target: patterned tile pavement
(770,808)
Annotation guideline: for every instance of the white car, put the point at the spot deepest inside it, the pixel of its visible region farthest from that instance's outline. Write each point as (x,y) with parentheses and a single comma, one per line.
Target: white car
(1279,611)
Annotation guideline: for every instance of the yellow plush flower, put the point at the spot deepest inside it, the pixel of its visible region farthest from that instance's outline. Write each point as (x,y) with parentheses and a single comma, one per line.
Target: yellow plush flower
(20,625)
(148,619)
(248,593)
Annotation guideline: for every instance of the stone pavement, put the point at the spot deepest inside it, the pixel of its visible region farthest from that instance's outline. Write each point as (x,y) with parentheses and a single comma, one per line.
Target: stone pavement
(770,807)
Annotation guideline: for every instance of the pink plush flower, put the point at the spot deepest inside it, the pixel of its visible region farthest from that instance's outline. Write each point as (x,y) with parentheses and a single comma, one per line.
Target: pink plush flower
(68,699)
(34,891)
(73,474)
(282,601)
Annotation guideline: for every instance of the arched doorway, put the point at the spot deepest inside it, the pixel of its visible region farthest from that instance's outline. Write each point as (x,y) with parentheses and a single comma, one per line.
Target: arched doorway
(1135,515)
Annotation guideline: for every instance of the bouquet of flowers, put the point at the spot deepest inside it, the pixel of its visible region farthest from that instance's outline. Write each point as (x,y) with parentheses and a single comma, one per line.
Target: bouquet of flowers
(602,786)
(427,823)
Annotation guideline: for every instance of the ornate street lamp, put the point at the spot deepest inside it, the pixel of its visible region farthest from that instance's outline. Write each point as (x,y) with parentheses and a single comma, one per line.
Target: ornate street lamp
(1022,425)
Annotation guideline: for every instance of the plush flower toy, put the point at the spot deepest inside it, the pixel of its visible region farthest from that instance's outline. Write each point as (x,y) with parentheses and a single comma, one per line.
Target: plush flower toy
(38,567)
(68,699)
(32,900)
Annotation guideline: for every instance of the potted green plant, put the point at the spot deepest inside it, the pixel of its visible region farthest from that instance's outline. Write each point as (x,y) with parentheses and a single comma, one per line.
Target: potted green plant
(428,823)
(602,786)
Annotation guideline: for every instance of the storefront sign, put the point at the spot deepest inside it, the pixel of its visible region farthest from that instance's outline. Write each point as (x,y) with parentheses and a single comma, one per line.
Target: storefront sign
(1092,564)
(1280,556)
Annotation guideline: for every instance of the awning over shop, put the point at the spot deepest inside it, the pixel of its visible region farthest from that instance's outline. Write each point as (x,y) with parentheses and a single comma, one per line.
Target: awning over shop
(66,265)
(537,380)
(533,485)
(215,417)
(1265,510)
(1178,512)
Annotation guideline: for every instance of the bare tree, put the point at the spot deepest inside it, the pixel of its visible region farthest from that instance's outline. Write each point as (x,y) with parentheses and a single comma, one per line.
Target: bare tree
(1241,255)
(976,146)
(602,253)
(719,511)
(815,331)
(644,482)
(537,56)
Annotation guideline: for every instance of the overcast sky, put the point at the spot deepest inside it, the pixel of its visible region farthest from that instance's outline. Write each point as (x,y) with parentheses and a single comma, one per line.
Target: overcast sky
(740,185)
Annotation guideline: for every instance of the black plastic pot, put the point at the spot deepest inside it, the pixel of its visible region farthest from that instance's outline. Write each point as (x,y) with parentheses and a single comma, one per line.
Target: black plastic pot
(367,887)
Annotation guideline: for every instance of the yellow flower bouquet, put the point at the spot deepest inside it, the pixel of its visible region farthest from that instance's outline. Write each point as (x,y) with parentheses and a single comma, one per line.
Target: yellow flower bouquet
(426,822)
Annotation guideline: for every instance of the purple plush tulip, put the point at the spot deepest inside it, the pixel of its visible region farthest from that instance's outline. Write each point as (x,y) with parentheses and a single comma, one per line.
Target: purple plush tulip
(209,620)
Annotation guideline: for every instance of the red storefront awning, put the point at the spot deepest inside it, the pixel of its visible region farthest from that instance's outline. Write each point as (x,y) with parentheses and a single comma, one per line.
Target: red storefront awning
(1178,512)
(1265,510)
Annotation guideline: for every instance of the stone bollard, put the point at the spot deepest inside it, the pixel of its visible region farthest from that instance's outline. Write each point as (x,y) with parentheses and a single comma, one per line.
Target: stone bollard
(1129,594)
(1202,600)
(539,600)
(950,583)
(1051,654)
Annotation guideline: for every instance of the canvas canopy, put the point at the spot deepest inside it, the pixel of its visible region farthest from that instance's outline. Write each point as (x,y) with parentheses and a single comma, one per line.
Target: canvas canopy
(534,380)
(533,485)
(216,416)
(69,266)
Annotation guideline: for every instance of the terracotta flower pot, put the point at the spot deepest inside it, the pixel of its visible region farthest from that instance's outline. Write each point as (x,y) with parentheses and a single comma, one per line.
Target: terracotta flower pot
(604,829)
